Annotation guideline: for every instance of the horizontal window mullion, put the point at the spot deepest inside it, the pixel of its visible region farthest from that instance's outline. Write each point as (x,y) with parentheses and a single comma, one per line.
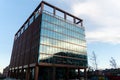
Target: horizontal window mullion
(61,33)
(62,48)
(62,40)
(63,27)
(64,56)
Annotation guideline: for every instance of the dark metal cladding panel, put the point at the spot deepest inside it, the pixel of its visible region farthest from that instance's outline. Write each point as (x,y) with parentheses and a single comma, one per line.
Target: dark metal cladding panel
(35,39)
(26,46)
(22,49)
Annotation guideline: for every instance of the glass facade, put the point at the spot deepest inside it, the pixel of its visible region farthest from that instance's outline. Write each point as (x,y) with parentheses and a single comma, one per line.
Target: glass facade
(49,47)
(61,41)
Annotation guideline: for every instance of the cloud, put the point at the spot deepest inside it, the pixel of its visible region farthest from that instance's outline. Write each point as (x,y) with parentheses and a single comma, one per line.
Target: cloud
(105,16)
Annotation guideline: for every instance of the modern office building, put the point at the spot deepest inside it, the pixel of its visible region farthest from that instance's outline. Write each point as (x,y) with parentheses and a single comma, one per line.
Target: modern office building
(50,45)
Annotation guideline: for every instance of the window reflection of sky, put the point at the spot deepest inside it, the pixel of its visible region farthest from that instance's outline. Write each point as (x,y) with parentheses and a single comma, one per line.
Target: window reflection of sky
(63,30)
(60,36)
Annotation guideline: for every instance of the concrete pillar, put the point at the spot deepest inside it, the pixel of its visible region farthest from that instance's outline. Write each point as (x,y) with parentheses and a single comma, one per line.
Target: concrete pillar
(36,73)
(14,73)
(82,23)
(22,74)
(9,73)
(67,76)
(54,73)
(78,73)
(65,16)
(17,74)
(42,7)
(74,20)
(28,74)
(54,11)
(85,74)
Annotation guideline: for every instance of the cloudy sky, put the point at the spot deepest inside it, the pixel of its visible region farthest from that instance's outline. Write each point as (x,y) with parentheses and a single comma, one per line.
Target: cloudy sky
(102,16)
(101,20)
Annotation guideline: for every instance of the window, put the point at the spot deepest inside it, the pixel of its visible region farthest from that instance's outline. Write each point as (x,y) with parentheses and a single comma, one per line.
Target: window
(26,26)
(36,14)
(22,30)
(31,20)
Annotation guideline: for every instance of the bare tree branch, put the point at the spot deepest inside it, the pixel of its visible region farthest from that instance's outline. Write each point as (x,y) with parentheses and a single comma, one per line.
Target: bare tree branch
(113,63)
(94,60)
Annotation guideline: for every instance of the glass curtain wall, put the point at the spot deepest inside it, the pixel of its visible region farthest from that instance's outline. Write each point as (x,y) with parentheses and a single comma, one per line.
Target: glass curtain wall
(61,41)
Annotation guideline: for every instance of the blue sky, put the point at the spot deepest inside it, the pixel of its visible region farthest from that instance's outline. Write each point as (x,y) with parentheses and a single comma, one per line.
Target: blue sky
(101,20)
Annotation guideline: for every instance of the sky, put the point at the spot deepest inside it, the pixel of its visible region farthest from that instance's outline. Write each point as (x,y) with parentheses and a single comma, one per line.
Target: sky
(100,18)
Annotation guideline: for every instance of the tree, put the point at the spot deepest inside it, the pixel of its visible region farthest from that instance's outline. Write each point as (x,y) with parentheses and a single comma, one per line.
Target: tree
(113,63)
(94,60)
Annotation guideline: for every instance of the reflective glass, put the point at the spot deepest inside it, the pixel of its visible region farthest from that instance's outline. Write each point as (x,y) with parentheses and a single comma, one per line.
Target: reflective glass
(31,20)
(26,26)
(61,38)
(63,30)
(55,21)
(37,14)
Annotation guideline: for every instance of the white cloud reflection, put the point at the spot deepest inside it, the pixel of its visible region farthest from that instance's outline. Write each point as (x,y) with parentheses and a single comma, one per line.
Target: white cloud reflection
(61,45)
(65,46)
